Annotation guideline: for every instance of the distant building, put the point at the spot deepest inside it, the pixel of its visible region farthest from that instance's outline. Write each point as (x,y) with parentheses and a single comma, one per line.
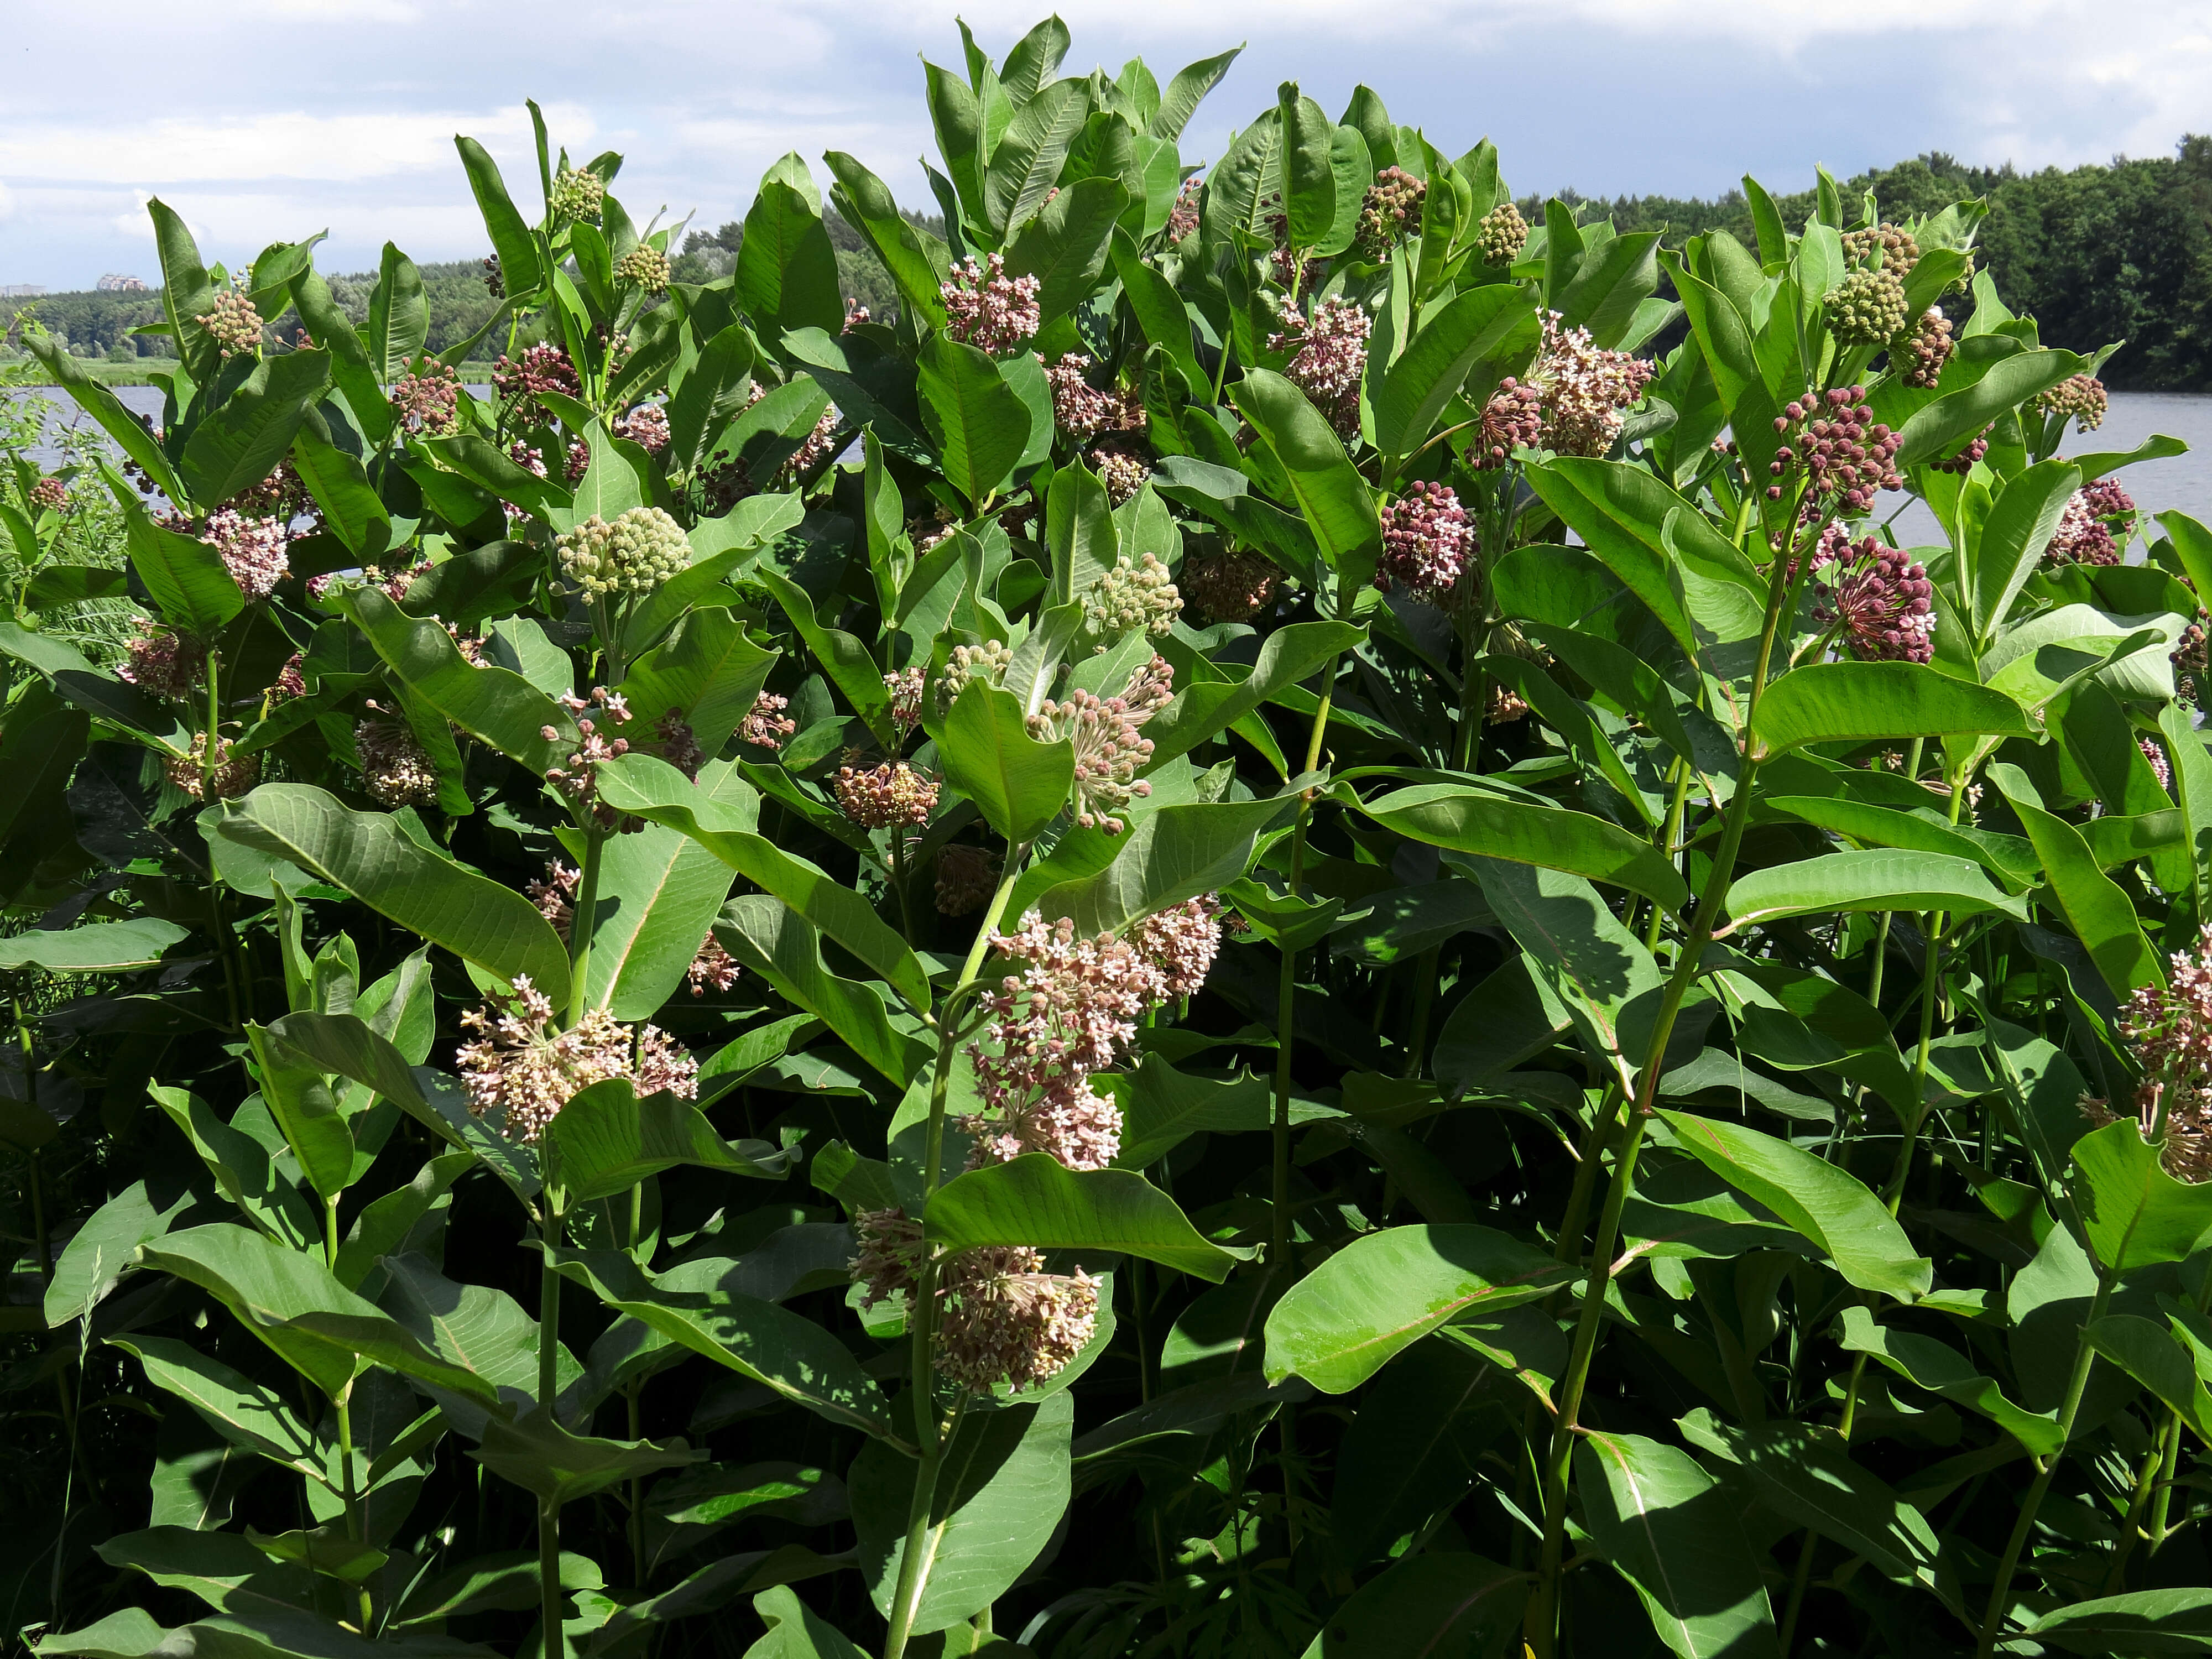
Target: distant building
(111,283)
(21,290)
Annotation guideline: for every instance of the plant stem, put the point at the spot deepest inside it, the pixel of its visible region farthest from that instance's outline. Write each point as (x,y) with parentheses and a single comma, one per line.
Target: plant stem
(2085,1356)
(580,929)
(1279,1219)
(554,1644)
(343,1403)
(906,1598)
(1798,1579)
(948,1022)
(548,1379)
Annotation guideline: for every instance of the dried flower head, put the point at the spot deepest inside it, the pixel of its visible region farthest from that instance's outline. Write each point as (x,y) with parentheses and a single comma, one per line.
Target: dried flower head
(885,797)
(1427,539)
(1139,595)
(232,323)
(764,723)
(2079,398)
(233,774)
(1232,587)
(396,770)
(1107,737)
(1329,354)
(1585,390)
(641,549)
(1512,419)
(426,400)
(162,660)
(1501,234)
(1390,209)
(966,878)
(988,309)
(256,551)
(644,266)
(578,196)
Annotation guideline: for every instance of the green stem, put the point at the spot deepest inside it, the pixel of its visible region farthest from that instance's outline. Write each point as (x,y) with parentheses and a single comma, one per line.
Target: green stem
(906,1597)
(548,1377)
(948,1022)
(1278,1220)
(898,884)
(2085,1356)
(555,1643)
(2131,1528)
(584,923)
(343,1401)
(2162,1504)
(1568,1246)
(1931,980)
(1798,1580)
(1670,832)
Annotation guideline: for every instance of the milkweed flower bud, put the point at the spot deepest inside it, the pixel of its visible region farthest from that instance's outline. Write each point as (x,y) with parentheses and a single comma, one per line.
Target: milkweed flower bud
(764,723)
(1885,605)
(1896,248)
(495,276)
(988,309)
(543,368)
(1505,705)
(1427,539)
(578,196)
(2079,398)
(426,400)
(554,893)
(885,797)
(2191,659)
(50,495)
(1920,355)
(1181,943)
(986,662)
(644,266)
(641,549)
(1231,587)
(1107,738)
(1833,438)
(1501,234)
(1182,218)
(2170,1028)
(1123,473)
(232,323)
(1391,208)
(966,878)
(1140,595)
(1084,410)
(2086,526)
(578,777)
(2160,767)
(1512,419)
(1867,306)
(256,551)
(1004,1319)
(233,774)
(645,425)
(291,682)
(165,662)
(1585,392)
(1972,451)
(396,770)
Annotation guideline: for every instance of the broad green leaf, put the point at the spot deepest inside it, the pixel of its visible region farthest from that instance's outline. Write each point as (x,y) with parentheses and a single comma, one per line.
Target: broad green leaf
(1104,883)
(783,947)
(1939,428)
(238,443)
(1038,1202)
(2155,1357)
(2133,1213)
(1440,1601)
(1854,702)
(1065,245)
(1590,964)
(2176,1621)
(398,316)
(1186,91)
(2096,907)
(94,689)
(490,702)
(299,1097)
(1019,783)
(511,241)
(844,658)
(1344,1321)
(1001,1490)
(1871,878)
(100,947)
(103,1249)
(979,425)
(1677,1537)
(2021,524)
(917,262)
(1481,819)
(660,892)
(351,510)
(243,1412)
(1162,1107)
(185,576)
(606,1140)
(1492,325)
(1337,503)
(537,1454)
(1204,709)
(1309,181)
(787,270)
(1025,163)
(368,855)
(2006,856)
(1159,311)
(1943,1370)
(1829,1206)
(108,410)
(653,790)
(800,1359)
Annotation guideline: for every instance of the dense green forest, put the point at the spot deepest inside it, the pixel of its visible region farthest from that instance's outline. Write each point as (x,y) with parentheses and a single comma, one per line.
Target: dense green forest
(2094,253)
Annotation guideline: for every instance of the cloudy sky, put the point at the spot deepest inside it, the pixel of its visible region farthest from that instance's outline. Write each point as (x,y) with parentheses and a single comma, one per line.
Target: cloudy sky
(269,119)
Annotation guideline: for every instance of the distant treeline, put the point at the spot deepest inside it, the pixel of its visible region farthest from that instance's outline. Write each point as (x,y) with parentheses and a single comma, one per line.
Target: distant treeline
(2094,253)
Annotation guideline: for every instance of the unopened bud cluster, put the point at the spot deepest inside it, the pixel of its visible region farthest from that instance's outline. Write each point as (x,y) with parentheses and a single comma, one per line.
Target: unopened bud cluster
(1882,245)
(1120,470)
(2170,1028)
(232,323)
(987,662)
(1846,452)
(1867,306)
(578,196)
(904,687)
(891,796)
(2191,658)
(1427,539)
(2079,398)
(1883,605)
(426,400)
(165,662)
(644,266)
(1106,736)
(988,309)
(50,495)
(1231,586)
(1513,418)
(641,549)
(1501,234)
(1139,595)
(1972,451)
(542,368)
(2160,767)
(966,878)
(1919,357)
(1390,209)
(1182,218)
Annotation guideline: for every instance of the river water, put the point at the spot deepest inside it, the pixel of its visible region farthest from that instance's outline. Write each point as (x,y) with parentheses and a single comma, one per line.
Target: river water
(2184,481)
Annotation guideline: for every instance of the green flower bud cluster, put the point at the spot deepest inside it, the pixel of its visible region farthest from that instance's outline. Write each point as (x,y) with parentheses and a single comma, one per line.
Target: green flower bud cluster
(1501,236)
(578,195)
(641,549)
(1140,595)
(1867,306)
(644,266)
(986,662)
(1898,252)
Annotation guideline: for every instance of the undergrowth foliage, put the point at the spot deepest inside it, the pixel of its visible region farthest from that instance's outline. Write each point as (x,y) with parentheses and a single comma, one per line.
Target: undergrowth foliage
(1243,939)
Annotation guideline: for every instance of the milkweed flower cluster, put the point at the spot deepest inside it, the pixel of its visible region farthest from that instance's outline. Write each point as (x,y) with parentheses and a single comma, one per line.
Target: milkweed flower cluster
(1106,736)
(291,680)
(2161,767)
(1513,418)
(256,551)
(1920,355)
(905,688)
(578,777)
(678,744)
(542,368)
(641,549)
(2086,526)
(1139,595)
(1182,218)
(521,1067)
(426,400)
(645,425)
(1329,354)
(1834,437)
(821,443)
(50,495)
(1867,306)
(966,878)
(1391,209)
(578,195)
(163,661)
(232,323)
(2170,1029)
(1501,234)
(1427,539)
(1229,586)
(1122,472)
(396,770)
(644,266)
(712,967)
(1884,605)
(885,797)
(2191,658)
(987,662)
(988,309)
(2078,398)
(765,723)
(1585,390)
(1972,451)
(1897,249)
(1084,410)
(233,774)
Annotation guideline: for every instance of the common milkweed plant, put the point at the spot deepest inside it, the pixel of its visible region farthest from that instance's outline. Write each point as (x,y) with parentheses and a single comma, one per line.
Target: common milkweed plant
(1280,928)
